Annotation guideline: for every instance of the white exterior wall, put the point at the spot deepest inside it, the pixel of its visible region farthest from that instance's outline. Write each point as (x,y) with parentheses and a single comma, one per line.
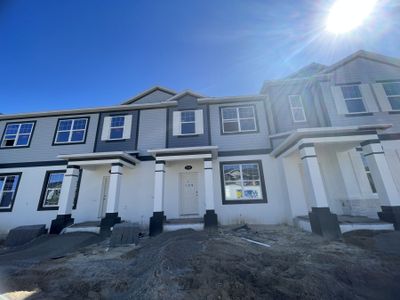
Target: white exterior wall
(392,153)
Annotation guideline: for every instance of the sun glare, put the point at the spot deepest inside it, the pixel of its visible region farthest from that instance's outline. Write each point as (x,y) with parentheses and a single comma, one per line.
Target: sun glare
(346,15)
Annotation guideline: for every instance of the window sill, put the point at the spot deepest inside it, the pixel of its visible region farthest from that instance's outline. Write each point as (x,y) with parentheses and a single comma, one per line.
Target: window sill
(70,143)
(359,114)
(15,147)
(241,132)
(187,135)
(394,112)
(48,208)
(115,140)
(5,210)
(258,201)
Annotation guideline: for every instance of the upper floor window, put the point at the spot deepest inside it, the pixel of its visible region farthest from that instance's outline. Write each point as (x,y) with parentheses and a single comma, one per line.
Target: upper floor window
(8,190)
(188,122)
(117,128)
(353,99)
(392,90)
(297,108)
(71,131)
(17,134)
(238,119)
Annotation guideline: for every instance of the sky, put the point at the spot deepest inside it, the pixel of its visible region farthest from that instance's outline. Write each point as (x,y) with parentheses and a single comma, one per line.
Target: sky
(69,54)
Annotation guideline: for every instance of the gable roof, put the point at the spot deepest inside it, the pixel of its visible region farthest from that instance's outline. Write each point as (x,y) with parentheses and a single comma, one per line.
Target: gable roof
(309,70)
(366,55)
(148,92)
(184,93)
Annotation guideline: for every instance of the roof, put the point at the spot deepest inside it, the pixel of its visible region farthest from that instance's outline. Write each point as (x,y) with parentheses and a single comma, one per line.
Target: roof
(309,70)
(148,92)
(184,93)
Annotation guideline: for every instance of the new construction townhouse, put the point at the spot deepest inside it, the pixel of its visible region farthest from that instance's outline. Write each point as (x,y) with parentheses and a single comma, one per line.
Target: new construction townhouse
(315,148)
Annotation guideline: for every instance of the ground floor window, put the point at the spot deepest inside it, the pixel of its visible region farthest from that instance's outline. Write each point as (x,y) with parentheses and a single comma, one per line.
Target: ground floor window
(52,188)
(8,190)
(242,182)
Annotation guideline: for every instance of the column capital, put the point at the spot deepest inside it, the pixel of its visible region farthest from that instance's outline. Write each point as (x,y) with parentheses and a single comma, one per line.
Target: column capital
(208,164)
(308,152)
(306,145)
(368,142)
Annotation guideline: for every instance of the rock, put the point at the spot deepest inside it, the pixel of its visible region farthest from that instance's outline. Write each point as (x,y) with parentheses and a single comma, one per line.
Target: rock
(24,234)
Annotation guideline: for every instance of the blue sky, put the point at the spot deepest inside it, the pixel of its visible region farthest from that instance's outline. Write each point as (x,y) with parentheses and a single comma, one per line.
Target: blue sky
(72,53)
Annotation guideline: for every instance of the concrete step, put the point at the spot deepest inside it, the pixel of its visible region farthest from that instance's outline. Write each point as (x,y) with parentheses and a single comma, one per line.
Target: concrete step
(184,223)
(90,226)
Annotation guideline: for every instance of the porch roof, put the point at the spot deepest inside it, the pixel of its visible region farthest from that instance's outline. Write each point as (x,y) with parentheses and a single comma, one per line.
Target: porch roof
(345,134)
(101,158)
(182,153)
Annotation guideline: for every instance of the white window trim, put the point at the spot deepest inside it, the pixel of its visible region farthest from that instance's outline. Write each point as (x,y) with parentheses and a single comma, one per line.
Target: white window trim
(13,191)
(187,122)
(241,180)
(292,107)
(71,131)
(116,127)
(387,96)
(357,98)
(237,119)
(46,192)
(17,135)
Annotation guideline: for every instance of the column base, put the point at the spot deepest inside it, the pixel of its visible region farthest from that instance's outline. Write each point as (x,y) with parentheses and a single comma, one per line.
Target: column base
(60,222)
(391,214)
(109,221)
(156,223)
(210,219)
(324,223)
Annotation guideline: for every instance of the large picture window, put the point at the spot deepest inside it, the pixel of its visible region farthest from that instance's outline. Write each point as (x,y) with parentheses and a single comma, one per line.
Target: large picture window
(8,189)
(353,99)
(71,131)
(52,189)
(17,135)
(392,90)
(242,182)
(238,119)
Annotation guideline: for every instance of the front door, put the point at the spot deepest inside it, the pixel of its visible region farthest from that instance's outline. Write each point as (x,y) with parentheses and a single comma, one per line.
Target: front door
(189,196)
(104,196)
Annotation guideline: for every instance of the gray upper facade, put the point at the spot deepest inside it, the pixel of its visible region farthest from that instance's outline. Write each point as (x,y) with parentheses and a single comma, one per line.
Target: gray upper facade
(358,90)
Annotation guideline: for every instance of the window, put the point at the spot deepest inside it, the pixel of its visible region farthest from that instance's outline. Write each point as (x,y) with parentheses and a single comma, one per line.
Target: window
(243,182)
(392,91)
(117,127)
(52,189)
(188,122)
(296,106)
(238,119)
(368,171)
(8,189)
(353,99)
(17,134)
(71,131)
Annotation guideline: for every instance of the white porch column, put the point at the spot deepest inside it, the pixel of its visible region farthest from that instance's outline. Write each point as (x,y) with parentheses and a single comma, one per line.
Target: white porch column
(313,176)
(114,188)
(322,221)
(380,172)
(209,184)
(157,220)
(210,218)
(68,190)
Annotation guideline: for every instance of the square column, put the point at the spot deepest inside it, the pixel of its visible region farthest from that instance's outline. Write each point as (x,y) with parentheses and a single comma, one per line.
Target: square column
(66,200)
(111,218)
(389,196)
(210,217)
(157,220)
(322,221)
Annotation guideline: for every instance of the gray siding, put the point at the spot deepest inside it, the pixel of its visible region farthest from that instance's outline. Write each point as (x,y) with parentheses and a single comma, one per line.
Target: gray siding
(154,97)
(240,141)
(185,103)
(120,145)
(41,148)
(152,130)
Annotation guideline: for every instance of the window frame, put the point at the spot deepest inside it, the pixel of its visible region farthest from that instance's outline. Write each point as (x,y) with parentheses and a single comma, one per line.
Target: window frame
(187,122)
(44,189)
(389,96)
(116,127)
(10,208)
(33,122)
(264,198)
(304,120)
(237,107)
(55,143)
(352,99)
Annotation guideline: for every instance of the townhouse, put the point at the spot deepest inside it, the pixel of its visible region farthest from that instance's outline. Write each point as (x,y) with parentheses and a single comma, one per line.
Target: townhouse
(321,144)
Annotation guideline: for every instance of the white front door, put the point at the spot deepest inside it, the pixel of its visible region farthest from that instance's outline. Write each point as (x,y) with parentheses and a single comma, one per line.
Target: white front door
(189,196)
(104,196)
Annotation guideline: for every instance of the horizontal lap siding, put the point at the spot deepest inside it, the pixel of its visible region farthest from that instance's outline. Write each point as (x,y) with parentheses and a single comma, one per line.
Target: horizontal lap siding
(152,130)
(246,141)
(41,148)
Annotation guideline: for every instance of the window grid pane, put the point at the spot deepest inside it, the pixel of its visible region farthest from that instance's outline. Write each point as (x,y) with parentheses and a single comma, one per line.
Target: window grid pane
(392,88)
(17,135)
(53,189)
(355,105)
(8,186)
(71,131)
(238,119)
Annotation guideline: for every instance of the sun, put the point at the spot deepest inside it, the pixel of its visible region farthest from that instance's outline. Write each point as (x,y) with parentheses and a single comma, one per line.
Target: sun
(346,15)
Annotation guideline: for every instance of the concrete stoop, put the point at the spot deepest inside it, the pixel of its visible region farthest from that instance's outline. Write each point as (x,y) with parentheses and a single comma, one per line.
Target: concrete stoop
(184,223)
(92,226)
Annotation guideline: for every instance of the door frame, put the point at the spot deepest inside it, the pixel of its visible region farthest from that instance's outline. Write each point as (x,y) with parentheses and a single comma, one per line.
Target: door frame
(181,214)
